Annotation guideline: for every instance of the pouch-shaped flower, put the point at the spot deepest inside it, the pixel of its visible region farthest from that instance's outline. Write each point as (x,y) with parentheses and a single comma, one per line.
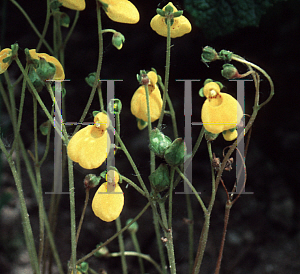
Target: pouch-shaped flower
(89,146)
(220,112)
(73,4)
(139,101)
(59,73)
(122,11)
(180,26)
(108,201)
(4,54)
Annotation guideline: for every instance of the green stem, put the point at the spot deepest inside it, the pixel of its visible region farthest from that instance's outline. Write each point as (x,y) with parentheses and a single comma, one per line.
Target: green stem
(167,72)
(138,250)
(71,30)
(137,188)
(140,255)
(171,197)
(169,238)
(32,26)
(87,192)
(72,214)
(46,25)
(24,213)
(100,98)
(121,246)
(190,223)
(114,236)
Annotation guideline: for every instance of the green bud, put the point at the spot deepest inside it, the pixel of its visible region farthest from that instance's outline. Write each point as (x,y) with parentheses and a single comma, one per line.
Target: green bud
(45,70)
(169,9)
(91,180)
(115,106)
(159,142)
(177,13)
(35,80)
(225,55)
(103,251)
(209,54)
(141,124)
(229,71)
(134,226)
(118,40)
(160,12)
(160,179)
(84,267)
(64,20)
(45,127)
(174,154)
(54,5)
(90,79)
(14,48)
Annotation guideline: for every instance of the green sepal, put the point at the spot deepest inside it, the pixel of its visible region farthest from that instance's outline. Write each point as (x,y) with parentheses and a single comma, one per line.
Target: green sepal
(45,70)
(210,136)
(35,80)
(225,55)
(171,22)
(134,227)
(175,153)
(103,174)
(229,71)
(201,92)
(160,12)
(169,9)
(159,142)
(14,48)
(95,113)
(91,181)
(141,124)
(177,13)
(160,178)
(138,78)
(208,54)
(104,5)
(45,127)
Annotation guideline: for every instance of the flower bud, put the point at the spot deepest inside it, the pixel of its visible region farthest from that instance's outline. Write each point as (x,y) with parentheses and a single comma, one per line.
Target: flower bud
(115,106)
(225,55)
(44,127)
(229,71)
(159,142)
(35,80)
(118,40)
(174,154)
(64,20)
(134,227)
(83,268)
(209,54)
(90,79)
(103,251)
(160,179)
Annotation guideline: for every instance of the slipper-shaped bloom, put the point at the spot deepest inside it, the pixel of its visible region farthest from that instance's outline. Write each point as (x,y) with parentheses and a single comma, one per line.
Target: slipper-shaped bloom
(108,201)
(180,26)
(122,11)
(89,146)
(4,54)
(220,112)
(73,4)
(59,73)
(139,102)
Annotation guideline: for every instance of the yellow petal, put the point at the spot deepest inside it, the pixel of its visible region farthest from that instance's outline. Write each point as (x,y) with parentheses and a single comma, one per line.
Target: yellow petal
(108,205)
(180,27)
(4,54)
(122,11)
(89,147)
(73,4)
(230,136)
(139,104)
(224,115)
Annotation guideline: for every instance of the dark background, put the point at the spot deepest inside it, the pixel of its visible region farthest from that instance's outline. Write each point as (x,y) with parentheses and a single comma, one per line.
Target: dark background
(263,233)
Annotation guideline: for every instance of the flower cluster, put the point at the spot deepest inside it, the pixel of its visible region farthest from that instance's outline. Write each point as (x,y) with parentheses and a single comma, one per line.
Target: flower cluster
(108,201)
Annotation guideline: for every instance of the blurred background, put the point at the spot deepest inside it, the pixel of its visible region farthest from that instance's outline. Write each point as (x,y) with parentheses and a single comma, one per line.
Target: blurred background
(264,228)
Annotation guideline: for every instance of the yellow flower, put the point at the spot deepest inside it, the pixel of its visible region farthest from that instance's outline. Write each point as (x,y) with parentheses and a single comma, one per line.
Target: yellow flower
(220,112)
(4,54)
(73,4)
(59,73)
(89,146)
(180,27)
(108,201)
(139,102)
(122,11)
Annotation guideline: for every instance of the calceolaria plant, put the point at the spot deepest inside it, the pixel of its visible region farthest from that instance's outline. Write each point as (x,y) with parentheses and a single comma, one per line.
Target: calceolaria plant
(98,146)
